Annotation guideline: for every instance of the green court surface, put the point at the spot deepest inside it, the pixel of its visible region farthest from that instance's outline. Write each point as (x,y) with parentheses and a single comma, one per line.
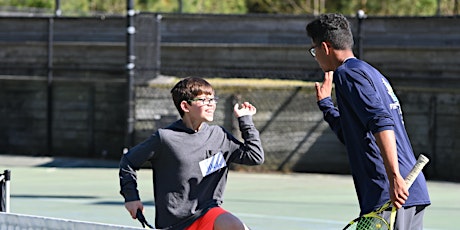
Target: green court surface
(264,201)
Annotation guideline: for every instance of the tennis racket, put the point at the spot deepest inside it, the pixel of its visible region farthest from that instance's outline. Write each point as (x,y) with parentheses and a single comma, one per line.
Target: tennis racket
(372,220)
(140,216)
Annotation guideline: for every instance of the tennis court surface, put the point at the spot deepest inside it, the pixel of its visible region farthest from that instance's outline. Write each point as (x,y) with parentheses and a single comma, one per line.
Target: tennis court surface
(88,191)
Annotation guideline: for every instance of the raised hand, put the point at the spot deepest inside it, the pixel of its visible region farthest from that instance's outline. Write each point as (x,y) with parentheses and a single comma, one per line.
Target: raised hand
(325,89)
(245,109)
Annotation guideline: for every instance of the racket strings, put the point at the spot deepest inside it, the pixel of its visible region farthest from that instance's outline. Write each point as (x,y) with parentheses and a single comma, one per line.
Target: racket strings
(369,223)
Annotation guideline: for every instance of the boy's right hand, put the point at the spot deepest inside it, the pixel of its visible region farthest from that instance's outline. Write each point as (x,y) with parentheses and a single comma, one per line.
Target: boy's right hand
(133,206)
(325,89)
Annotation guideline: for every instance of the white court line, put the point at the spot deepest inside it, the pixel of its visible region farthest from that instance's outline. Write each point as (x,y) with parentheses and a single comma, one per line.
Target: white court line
(67,200)
(300,219)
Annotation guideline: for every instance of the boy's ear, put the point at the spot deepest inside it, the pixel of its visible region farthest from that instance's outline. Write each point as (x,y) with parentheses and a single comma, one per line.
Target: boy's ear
(184,106)
(327,47)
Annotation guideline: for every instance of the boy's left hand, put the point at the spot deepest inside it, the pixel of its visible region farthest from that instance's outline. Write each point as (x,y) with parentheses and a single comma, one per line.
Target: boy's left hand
(246,109)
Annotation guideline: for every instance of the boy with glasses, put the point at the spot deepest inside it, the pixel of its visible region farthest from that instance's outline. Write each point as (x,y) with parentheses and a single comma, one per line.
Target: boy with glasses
(190,161)
(369,122)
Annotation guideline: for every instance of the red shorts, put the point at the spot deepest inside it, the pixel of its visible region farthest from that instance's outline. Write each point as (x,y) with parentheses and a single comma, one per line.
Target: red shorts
(206,222)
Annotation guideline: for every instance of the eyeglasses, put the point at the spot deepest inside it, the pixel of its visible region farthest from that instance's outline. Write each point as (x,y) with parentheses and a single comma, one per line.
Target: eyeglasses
(312,51)
(205,101)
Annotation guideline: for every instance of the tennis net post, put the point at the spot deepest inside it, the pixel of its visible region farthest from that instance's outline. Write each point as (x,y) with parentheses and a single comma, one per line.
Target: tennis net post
(5,191)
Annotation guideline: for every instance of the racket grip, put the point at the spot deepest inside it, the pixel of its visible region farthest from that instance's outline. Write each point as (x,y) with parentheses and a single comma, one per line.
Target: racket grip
(421,162)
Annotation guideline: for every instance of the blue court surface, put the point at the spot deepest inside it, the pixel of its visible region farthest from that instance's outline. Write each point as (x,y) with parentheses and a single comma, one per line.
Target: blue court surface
(78,190)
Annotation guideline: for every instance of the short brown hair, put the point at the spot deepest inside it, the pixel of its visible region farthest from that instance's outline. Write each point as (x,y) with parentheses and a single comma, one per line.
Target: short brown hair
(187,89)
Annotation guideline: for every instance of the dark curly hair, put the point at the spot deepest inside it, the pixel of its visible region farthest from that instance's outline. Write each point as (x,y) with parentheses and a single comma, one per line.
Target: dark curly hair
(333,28)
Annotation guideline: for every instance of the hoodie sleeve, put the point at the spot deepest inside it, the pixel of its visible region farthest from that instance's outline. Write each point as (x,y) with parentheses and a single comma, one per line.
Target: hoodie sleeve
(131,162)
(250,152)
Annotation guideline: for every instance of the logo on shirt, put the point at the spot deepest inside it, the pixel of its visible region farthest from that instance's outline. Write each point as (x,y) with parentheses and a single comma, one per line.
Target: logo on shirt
(395,105)
(212,164)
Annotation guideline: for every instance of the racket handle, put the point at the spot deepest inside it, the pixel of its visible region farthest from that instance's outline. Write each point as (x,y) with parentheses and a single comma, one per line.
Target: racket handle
(421,162)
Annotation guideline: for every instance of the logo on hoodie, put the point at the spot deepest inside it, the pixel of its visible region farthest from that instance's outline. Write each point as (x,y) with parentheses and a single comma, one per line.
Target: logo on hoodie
(212,164)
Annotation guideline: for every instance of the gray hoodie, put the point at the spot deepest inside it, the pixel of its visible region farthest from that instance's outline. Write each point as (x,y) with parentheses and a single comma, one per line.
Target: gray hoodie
(189,168)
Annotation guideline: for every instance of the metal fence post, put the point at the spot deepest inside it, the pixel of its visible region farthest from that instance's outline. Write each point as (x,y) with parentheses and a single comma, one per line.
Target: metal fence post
(361,16)
(49,89)
(130,66)
(5,191)
(157,66)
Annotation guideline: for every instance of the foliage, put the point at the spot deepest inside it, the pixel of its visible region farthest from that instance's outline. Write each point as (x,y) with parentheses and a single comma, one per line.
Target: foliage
(157,5)
(215,7)
(285,7)
(348,7)
(401,8)
(27,3)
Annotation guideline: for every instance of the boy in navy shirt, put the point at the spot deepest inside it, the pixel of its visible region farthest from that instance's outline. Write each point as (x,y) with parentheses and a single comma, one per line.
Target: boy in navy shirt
(368,120)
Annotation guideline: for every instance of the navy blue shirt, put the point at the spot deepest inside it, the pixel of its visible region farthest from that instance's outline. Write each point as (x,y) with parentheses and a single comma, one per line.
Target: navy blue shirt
(368,105)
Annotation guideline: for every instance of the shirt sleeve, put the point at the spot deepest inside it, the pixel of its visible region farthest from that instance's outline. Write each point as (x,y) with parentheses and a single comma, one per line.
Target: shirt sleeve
(359,92)
(331,116)
(131,162)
